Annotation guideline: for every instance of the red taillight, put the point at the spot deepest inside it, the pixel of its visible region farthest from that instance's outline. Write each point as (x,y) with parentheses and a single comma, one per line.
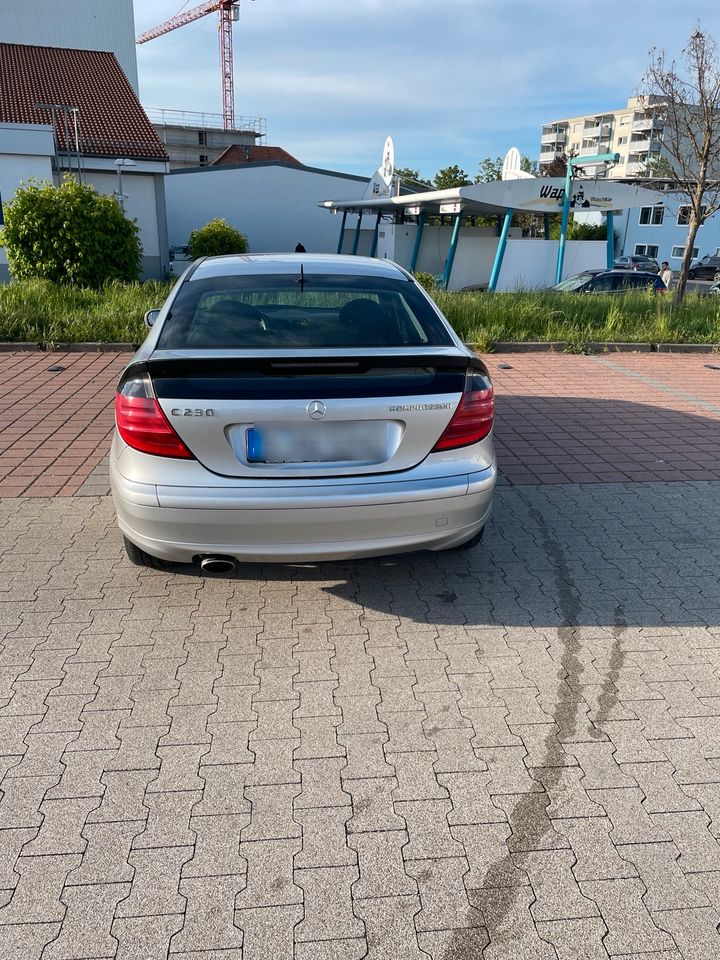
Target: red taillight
(142,424)
(473,419)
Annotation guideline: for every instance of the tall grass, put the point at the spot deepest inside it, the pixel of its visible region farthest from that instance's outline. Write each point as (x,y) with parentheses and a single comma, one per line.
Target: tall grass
(38,311)
(579,319)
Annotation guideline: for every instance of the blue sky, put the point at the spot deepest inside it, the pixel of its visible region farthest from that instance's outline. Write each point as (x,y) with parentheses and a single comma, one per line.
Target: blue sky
(453,81)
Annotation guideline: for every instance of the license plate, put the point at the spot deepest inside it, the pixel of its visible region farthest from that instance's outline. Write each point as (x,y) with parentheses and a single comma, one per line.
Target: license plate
(346,442)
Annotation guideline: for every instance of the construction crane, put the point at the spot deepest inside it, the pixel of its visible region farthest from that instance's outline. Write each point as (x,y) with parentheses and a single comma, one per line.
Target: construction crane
(229,11)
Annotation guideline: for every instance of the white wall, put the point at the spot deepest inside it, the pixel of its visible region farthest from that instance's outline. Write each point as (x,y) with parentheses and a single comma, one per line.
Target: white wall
(275,206)
(24,155)
(530,263)
(140,203)
(82,24)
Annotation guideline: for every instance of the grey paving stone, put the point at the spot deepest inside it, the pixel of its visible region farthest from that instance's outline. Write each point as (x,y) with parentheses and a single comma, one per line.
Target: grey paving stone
(510,925)
(463,944)
(491,865)
(268,931)
(557,893)
(699,850)
(321,784)
(596,855)
(324,838)
(470,798)
(270,880)
(105,859)
(328,905)
(354,948)
(695,931)
(630,926)
(168,823)
(145,938)
(36,899)
(155,883)
(381,866)
(209,917)
(217,846)
(416,777)
(389,926)
(272,813)
(87,924)
(27,940)
(578,939)
(443,895)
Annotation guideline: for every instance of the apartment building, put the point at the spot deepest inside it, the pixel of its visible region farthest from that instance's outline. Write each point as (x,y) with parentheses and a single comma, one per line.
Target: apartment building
(635,132)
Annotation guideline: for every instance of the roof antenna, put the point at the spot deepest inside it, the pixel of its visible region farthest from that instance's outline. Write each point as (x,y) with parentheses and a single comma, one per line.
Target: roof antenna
(301,279)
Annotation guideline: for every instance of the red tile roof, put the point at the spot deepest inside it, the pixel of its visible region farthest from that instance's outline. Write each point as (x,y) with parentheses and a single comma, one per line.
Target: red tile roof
(112,122)
(245,153)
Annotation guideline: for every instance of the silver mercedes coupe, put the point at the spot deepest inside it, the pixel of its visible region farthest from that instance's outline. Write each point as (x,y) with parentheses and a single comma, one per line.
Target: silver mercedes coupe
(299,408)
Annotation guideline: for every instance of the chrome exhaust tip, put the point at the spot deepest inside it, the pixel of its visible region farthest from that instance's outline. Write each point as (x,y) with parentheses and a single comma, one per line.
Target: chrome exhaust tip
(213,564)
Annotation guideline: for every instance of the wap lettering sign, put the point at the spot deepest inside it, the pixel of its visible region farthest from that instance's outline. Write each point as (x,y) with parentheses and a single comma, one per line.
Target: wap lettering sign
(546,195)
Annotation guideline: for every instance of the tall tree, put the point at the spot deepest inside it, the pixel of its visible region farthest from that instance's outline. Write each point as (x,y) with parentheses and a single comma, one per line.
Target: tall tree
(491,169)
(688,98)
(412,178)
(449,177)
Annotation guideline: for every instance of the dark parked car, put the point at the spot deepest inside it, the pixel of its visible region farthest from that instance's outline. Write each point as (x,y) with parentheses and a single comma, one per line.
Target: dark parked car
(610,281)
(637,262)
(706,269)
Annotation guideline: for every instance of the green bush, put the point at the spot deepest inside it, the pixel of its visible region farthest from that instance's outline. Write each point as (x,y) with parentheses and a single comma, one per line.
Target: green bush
(215,239)
(427,281)
(69,234)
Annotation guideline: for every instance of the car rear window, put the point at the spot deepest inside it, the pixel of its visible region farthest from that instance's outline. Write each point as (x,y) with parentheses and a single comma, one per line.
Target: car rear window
(311,310)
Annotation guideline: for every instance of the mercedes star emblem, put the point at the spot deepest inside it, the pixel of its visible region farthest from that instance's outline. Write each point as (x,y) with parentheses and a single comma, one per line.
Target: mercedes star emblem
(316,410)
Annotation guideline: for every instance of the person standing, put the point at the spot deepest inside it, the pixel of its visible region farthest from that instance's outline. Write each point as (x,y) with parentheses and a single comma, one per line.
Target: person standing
(665,273)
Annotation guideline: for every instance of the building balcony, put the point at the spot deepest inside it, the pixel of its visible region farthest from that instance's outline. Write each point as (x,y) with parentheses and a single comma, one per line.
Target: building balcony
(640,125)
(639,146)
(634,167)
(552,138)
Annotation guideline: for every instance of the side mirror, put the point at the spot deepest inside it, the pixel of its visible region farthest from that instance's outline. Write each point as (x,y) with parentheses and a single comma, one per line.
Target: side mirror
(151,316)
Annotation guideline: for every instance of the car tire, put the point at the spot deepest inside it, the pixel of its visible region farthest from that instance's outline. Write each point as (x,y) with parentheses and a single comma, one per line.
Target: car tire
(137,556)
(691,274)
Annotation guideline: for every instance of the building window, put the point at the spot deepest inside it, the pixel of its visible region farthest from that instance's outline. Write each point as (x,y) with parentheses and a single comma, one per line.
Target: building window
(203,159)
(679,252)
(646,249)
(622,140)
(624,121)
(651,216)
(202,138)
(683,217)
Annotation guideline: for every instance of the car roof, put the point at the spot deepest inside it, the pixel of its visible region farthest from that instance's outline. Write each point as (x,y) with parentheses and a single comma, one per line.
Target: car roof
(251,264)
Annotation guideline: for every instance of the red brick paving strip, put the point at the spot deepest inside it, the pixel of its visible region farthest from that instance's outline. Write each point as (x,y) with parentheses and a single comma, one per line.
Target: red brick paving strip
(54,427)
(561,418)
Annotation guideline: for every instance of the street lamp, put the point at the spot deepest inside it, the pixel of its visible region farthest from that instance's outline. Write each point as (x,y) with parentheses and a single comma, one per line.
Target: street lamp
(609,158)
(119,195)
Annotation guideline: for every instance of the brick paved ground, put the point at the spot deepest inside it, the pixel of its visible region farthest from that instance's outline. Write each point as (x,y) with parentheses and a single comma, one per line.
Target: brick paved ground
(508,753)
(561,419)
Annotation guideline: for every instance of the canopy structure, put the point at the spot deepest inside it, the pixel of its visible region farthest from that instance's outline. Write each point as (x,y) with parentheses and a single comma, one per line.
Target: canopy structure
(500,198)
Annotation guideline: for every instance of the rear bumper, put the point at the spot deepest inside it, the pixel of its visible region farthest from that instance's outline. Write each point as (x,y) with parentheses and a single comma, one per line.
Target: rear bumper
(302,523)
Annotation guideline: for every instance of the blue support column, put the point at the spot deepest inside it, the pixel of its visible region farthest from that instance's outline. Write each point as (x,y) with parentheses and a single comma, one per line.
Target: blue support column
(451,253)
(418,238)
(342,232)
(373,248)
(356,238)
(546,221)
(609,220)
(564,223)
(500,253)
